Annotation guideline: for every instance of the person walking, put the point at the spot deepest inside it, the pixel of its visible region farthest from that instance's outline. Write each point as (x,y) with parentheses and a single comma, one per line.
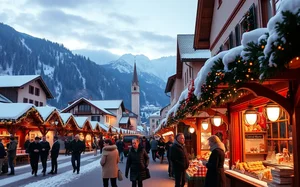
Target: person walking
(54,155)
(109,162)
(154,144)
(76,147)
(2,155)
(168,147)
(121,145)
(161,149)
(215,175)
(137,163)
(95,146)
(44,153)
(11,154)
(179,158)
(101,144)
(34,153)
(146,144)
(26,145)
(67,147)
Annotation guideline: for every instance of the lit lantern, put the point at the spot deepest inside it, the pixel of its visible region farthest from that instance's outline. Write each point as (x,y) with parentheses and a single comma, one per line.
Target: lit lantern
(217,120)
(191,130)
(273,111)
(250,115)
(204,125)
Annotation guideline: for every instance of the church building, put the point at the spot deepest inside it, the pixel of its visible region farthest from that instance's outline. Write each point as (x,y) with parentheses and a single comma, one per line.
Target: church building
(135,95)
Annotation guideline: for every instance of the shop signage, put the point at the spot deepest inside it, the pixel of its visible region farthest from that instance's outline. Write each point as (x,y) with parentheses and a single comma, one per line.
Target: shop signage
(256,136)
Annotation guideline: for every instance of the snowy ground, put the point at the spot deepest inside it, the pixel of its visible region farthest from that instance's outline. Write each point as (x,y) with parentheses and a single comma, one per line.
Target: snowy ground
(90,175)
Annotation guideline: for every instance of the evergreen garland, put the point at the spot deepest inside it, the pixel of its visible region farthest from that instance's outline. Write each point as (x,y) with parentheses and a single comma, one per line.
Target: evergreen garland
(248,22)
(285,48)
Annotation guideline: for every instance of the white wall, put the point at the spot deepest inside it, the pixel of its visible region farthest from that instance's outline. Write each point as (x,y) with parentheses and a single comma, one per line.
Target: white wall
(24,93)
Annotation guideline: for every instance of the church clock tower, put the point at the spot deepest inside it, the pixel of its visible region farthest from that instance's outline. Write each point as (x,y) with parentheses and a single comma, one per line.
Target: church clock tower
(135,95)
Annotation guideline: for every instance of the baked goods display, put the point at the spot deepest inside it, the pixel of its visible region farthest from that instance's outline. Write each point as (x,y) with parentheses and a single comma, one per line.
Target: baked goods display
(254,169)
(206,155)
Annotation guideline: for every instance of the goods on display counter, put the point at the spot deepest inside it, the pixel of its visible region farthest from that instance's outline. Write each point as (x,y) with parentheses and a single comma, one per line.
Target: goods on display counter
(275,175)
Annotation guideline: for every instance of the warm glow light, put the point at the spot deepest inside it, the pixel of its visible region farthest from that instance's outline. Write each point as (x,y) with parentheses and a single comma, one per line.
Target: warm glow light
(204,125)
(273,111)
(250,115)
(217,120)
(191,130)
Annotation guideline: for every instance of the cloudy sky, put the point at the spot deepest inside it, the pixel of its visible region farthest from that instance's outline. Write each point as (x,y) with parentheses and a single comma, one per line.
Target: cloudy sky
(148,27)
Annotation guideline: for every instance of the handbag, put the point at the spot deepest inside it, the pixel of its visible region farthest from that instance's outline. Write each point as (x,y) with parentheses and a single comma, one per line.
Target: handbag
(120,175)
(148,173)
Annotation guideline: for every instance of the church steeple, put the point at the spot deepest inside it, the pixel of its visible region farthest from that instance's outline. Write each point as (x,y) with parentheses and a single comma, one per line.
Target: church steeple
(135,77)
(135,95)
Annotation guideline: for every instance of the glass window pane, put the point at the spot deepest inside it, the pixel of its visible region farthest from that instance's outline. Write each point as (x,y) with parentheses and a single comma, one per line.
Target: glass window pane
(275,130)
(276,146)
(290,131)
(283,125)
(283,144)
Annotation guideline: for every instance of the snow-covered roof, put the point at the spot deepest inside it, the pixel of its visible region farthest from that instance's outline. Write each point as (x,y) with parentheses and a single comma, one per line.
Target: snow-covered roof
(45,111)
(202,74)
(81,121)
(13,110)
(94,124)
(124,120)
(65,117)
(186,48)
(107,104)
(96,104)
(3,99)
(140,128)
(16,80)
(106,128)
(155,114)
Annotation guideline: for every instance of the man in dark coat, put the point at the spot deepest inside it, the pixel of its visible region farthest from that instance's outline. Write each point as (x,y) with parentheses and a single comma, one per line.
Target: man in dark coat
(154,147)
(35,149)
(215,175)
(26,145)
(12,152)
(76,147)
(67,147)
(101,144)
(146,144)
(44,153)
(168,149)
(179,158)
(137,163)
(121,145)
(54,155)
(161,149)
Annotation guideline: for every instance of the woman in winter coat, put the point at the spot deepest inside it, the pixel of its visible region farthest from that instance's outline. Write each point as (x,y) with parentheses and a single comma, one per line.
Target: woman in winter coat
(137,163)
(109,162)
(215,176)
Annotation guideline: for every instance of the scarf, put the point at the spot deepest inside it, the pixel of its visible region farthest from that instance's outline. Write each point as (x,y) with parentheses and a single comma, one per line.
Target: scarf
(176,142)
(219,145)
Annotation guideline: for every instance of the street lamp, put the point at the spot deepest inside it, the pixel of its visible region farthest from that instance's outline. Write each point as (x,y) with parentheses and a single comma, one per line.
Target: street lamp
(250,115)
(273,111)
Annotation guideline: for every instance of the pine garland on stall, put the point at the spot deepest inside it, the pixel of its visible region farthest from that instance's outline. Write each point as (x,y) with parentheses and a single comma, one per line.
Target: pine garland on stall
(284,49)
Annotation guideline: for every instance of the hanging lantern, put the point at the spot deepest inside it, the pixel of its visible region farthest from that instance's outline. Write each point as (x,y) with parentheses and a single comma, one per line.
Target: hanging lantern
(250,115)
(204,125)
(217,120)
(191,130)
(273,111)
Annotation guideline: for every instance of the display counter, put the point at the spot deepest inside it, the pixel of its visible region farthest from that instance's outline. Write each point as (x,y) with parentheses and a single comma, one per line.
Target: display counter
(236,179)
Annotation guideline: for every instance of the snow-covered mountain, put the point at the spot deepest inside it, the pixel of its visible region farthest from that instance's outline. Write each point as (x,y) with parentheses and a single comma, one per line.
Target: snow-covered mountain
(70,76)
(163,67)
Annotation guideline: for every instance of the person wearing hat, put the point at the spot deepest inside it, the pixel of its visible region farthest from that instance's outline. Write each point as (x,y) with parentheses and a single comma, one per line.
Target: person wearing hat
(54,155)
(215,175)
(12,152)
(34,153)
